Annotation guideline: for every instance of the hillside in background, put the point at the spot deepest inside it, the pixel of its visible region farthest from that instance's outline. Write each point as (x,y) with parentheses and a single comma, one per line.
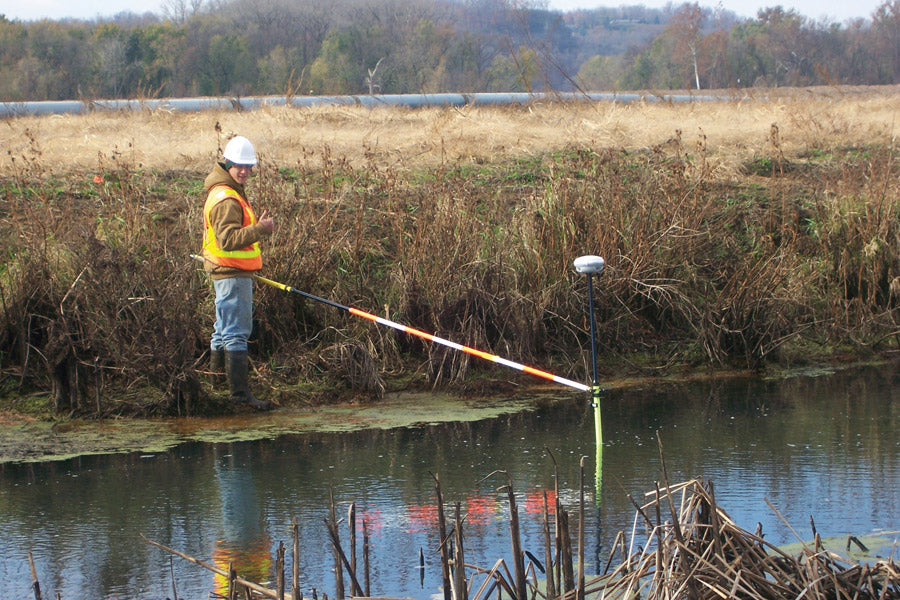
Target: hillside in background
(263,47)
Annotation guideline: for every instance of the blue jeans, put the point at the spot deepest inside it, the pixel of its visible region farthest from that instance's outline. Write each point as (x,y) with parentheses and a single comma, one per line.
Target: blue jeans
(234,314)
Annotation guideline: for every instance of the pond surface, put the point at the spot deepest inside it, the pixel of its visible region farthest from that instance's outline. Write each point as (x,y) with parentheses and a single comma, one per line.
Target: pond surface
(826,448)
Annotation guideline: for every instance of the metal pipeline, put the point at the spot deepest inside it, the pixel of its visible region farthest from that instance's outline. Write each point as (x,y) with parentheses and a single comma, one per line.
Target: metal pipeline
(22,109)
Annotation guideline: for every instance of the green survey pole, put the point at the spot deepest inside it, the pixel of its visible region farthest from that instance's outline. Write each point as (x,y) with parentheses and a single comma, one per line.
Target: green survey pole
(591,265)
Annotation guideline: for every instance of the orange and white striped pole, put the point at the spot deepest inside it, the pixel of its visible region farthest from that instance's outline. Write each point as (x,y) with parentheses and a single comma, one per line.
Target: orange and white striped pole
(424,335)
(474,352)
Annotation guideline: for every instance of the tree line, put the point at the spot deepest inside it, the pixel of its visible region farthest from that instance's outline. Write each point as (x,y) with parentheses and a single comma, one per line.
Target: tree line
(297,47)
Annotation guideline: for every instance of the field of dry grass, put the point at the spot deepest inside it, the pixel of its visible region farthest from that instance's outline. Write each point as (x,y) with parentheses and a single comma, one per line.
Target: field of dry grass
(733,130)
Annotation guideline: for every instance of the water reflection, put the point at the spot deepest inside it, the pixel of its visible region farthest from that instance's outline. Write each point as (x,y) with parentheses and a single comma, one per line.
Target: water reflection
(243,544)
(815,447)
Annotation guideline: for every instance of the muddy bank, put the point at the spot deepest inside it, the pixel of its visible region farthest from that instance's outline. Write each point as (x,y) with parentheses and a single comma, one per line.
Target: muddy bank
(25,439)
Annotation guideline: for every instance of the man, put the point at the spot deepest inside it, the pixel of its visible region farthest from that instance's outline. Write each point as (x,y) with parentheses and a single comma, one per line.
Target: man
(231,237)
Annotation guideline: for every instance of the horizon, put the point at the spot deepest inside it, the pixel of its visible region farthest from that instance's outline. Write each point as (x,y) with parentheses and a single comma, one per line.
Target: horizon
(89,10)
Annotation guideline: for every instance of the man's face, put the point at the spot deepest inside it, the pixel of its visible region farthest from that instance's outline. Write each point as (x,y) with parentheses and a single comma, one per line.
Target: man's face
(240,173)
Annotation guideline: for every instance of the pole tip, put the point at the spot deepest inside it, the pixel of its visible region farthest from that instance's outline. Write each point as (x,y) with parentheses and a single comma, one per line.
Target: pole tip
(589,264)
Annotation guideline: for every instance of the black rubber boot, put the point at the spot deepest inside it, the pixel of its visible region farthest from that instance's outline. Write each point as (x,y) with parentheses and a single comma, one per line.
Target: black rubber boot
(237,368)
(217,367)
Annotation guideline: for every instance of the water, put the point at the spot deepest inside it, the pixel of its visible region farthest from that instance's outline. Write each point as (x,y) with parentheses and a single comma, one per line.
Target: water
(823,447)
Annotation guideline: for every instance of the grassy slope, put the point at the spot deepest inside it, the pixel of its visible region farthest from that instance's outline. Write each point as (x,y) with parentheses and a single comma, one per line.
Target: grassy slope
(737,234)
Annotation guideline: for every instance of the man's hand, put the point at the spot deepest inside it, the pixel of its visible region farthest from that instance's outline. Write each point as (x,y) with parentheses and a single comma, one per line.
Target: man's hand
(267,222)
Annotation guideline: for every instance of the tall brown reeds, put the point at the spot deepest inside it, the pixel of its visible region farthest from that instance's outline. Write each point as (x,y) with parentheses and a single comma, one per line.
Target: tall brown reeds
(793,257)
(682,544)
(699,552)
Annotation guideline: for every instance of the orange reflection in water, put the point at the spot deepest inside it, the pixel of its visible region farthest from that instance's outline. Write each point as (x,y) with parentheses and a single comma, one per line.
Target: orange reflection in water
(373,519)
(478,510)
(252,560)
(534,502)
(422,518)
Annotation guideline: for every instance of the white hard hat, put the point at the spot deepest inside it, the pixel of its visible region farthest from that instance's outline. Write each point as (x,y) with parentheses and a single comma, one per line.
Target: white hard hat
(240,151)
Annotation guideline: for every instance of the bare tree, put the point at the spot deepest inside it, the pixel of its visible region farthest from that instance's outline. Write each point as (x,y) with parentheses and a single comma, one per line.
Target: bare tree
(111,60)
(296,26)
(179,11)
(371,81)
(684,28)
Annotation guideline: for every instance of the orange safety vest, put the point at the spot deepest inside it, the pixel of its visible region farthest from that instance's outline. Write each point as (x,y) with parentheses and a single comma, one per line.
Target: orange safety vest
(248,258)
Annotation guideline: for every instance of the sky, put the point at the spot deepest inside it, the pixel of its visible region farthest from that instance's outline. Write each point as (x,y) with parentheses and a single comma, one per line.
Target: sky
(832,10)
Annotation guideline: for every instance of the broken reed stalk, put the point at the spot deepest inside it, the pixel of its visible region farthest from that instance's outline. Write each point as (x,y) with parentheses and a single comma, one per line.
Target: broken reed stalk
(548,555)
(355,589)
(351,525)
(564,576)
(232,576)
(35,584)
(279,571)
(565,548)
(515,537)
(296,592)
(443,540)
(461,592)
(338,570)
(172,575)
(365,526)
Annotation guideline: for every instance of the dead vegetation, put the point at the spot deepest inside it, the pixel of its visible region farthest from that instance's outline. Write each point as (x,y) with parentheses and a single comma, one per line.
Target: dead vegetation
(699,552)
(736,234)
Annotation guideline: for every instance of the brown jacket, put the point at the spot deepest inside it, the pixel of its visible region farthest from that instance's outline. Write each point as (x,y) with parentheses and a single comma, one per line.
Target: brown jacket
(226,219)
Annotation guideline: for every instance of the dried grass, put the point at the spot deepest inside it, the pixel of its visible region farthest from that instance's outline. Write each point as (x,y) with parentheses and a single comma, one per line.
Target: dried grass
(734,129)
(730,229)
